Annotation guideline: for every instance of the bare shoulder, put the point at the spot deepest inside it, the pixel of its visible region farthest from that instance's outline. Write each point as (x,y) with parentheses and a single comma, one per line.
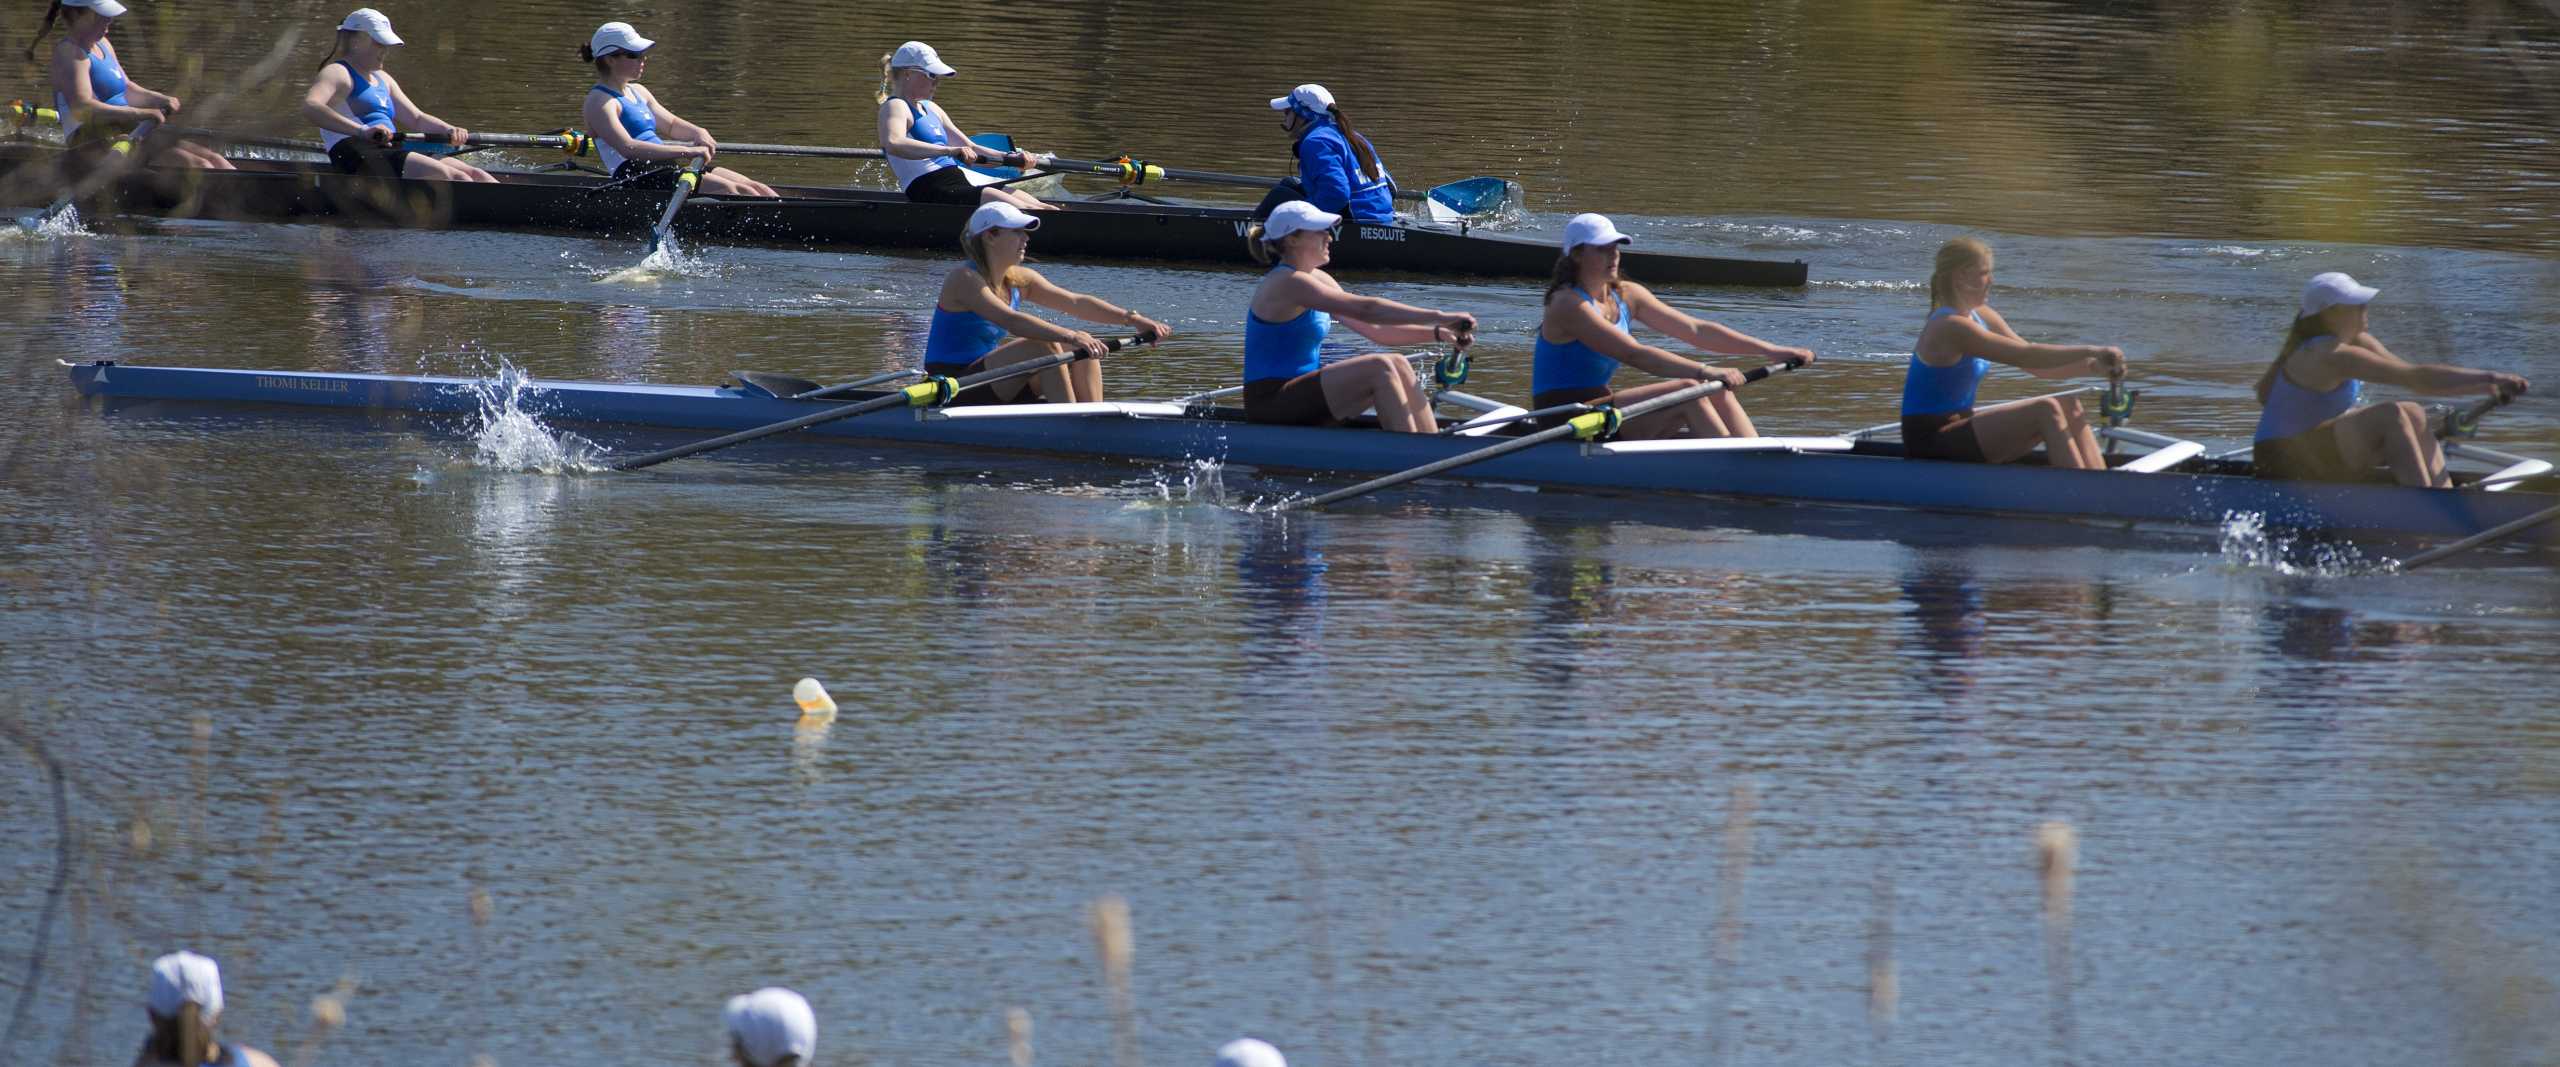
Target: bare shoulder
(1628,290)
(250,1057)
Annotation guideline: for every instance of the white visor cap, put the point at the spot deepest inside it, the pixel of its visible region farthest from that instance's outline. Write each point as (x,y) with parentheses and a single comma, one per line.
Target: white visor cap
(372,23)
(2332,289)
(108,8)
(1308,97)
(772,1023)
(1250,1052)
(999,216)
(182,978)
(917,55)
(618,37)
(1297,216)
(1593,228)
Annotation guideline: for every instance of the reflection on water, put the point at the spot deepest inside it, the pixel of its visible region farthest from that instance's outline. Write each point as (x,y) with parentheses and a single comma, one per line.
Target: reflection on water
(1949,622)
(1280,572)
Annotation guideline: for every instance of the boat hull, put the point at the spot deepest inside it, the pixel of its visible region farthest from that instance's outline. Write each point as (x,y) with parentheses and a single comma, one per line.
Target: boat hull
(1873,475)
(805,218)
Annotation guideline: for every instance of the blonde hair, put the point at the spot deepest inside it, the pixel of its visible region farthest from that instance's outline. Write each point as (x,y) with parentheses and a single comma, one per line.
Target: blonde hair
(974,246)
(888,78)
(1954,256)
(1265,251)
(2305,327)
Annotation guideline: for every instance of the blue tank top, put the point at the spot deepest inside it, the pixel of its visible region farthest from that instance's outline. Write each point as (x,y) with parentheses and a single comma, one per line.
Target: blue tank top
(1573,365)
(370,101)
(106,82)
(2292,409)
(1284,350)
(960,338)
(924,123)
(1928,390)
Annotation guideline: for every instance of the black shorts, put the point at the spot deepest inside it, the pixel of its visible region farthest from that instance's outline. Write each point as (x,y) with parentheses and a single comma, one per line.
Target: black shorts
(1948,437)
(2310,456)
(1020,390)
(1295,401)
(950,185)
(646,175)
(356,156)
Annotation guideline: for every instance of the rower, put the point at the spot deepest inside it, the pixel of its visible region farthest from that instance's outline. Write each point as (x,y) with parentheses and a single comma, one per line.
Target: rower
(184,1003)
(631,126)
(1587,331)
(1338,169)
(361,109)
(926,149)
(2310,427)
(980,307)
(1961,340)
(771,1027)
(1295,306)
(94,100)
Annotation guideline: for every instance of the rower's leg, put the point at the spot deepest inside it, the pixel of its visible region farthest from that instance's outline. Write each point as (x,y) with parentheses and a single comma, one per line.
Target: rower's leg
(989,194)
(1086,377)
(1697,418)
(2394,436)
(1728,408)
(2084,440)
(1050,384)
(197,155)
(1378,381)
(2008,432)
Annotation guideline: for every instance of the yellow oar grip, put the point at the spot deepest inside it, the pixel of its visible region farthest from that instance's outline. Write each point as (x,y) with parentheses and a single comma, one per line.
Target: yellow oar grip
(1154,172)
(1593,423)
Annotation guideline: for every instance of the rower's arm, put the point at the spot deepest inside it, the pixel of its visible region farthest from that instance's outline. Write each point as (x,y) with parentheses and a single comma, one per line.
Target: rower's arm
(2376,364)
(982,301)
(1959,334)
(1580,319)
(325,90)
(408,114)
(1702,334)
(1322,166)
(604,116)
(672,126)
(897,121)
(1384,321)
(1998,324)
(71,68)
(1040,290)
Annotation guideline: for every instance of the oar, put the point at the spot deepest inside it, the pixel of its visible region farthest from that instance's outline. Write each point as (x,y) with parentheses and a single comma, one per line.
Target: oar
(1541,413)
(2505,529)
(1466,196)
(1599,423)
(930,393)
(20,113)
(685,181)
(2465,422)
(124,157)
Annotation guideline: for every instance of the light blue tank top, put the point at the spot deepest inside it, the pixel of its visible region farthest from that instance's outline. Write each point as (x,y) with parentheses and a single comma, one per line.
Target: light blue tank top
(924,123)
(1573,365)
(106,82)
(1928,390)
(959,338)
(636,119)
(2292,409)
(369,100)
(1284,350)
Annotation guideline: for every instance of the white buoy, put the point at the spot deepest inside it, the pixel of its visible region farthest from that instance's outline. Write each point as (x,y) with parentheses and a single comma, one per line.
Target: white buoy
(816,707)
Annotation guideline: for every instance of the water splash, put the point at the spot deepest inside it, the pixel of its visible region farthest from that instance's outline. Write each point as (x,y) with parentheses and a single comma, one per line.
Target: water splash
(2249,544)
(1197,481)
(43,227)
(510,433)
(669,260)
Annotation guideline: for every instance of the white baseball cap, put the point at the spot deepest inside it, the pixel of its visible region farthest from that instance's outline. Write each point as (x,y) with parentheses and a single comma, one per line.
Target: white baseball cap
(2332,289)
(1297,216)
(107,8)
(998,216)
(772,1023)
(371,23)
(1308,97)
(618,37)
(1593,228)
(182,978)
(1250,1052)
(917,55)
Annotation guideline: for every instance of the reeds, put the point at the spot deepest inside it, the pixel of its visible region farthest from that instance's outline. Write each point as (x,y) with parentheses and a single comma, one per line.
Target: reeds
(2057,852)
(1017,1035)
(1731,868)
(1109,916)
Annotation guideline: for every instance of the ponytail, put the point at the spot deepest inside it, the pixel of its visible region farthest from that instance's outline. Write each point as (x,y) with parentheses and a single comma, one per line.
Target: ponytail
(974,247)
(2305,327)
(1264,250)
(340,45)
(1359,145)
(185,1039)
(886,75)
(50,14)
(1568,275)
(588,52)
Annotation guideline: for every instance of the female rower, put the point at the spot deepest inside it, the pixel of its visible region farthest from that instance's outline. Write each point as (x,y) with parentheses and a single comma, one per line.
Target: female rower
(631,126)
(771,1027)
(979,307)
(1586,333)
(926,149)
(1961,341)
(361,109)
(1296,305)
(2307,429)
(185,1001)
(91,94)
(1338,169)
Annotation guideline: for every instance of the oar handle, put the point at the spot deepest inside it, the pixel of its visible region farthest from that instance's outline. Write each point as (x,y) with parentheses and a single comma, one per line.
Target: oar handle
(932,392)
(2465,422)
(567,142)
(22,114)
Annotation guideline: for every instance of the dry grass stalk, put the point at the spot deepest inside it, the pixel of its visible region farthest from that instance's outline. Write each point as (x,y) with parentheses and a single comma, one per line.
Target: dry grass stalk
(1730,870)
(1111,940)
(2057,853)
(1884,980)
(1017,1035)
(328,1013)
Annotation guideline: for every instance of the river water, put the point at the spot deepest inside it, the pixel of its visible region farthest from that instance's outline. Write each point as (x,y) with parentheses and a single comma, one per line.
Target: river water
(1460,776)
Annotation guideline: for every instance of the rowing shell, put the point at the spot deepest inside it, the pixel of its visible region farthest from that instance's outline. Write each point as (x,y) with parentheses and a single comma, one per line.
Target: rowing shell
(1830,470)
(805,217)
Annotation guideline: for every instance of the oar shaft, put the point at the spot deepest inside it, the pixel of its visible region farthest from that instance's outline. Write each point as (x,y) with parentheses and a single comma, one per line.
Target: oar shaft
(920,395)
(2502,530)
(817,151)
(1140,172)
(685,181)
(2464,422)
(1576,427)
(841,388)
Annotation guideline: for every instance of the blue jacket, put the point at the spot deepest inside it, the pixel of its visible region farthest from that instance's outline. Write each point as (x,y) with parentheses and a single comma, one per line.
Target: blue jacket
(1331,172)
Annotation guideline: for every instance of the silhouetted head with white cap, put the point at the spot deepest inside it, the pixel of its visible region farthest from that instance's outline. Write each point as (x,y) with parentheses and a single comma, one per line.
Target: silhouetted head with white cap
(771,1027)
(185,1001)
(1249,1052)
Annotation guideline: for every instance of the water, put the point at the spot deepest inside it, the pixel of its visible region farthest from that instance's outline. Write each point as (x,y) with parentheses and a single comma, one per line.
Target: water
(1447,778)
